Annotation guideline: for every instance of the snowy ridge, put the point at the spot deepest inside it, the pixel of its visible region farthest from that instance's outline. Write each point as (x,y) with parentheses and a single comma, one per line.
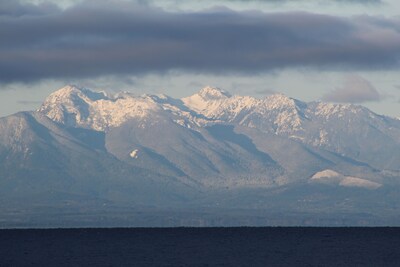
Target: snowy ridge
(83,108)
(75,107)
(278,112)
(325,125)
(213,93)
(330,109)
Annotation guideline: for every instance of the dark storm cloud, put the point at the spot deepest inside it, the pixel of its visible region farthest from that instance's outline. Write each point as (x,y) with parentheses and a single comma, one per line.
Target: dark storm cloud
(90,40)
(15,8)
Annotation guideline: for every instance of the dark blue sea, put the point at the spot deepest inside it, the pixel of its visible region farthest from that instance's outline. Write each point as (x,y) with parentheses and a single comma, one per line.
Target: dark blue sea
(269,246)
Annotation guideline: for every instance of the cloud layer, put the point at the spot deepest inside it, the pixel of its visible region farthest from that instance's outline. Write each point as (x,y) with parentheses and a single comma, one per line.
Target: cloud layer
(318,1)
(98,38)
(355,89)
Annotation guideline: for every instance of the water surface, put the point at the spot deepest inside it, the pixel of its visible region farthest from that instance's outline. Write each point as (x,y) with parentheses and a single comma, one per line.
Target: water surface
(266,246)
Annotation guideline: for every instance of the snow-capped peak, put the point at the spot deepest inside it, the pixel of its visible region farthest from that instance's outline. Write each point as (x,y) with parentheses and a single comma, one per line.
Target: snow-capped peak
(72,92)
(213,93)
(335,109)
(69,88)
(81,107)
(277,113)
(207,99)
(64,93)
(279,100)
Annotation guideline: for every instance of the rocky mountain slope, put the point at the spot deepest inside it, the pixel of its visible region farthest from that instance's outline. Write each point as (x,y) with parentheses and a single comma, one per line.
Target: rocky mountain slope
(82,146)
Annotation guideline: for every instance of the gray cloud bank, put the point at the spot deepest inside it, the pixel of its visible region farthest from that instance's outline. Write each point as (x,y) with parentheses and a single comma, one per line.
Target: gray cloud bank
(317,1)
(355,89)
(116,38)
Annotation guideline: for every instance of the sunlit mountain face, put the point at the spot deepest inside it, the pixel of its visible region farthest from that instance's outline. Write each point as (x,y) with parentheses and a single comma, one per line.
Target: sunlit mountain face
(226,155)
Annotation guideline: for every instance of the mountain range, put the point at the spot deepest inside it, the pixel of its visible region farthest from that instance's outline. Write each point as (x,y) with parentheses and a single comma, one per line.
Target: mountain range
(95,158)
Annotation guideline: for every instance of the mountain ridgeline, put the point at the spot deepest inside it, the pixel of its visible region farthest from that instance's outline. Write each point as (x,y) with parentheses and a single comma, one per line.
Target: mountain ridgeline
(226,157)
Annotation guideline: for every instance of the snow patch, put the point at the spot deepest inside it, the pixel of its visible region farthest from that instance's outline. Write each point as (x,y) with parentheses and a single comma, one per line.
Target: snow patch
(349,181)
(322,139)
(327,177)
(325,174)
(134,154)
(335,178)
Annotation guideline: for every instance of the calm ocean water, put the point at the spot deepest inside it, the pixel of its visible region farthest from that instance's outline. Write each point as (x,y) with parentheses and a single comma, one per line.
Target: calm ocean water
(269,246)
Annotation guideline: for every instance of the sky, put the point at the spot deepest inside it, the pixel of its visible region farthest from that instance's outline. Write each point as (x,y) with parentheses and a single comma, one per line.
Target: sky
(344,51)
